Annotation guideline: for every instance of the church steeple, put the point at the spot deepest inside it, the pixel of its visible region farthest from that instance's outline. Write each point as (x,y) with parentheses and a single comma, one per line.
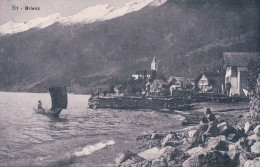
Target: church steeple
(154,64)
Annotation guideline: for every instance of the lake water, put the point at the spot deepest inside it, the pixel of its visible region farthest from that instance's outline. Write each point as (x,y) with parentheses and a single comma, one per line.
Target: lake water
(80,137)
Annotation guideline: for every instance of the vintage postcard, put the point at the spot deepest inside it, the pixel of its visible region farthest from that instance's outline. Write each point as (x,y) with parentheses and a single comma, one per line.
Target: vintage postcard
(153,83)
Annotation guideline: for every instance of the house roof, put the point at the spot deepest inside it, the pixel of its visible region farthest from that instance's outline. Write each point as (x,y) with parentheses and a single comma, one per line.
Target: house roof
(143,72)
(213,77)
(162,82)
(183,80)
(240,59)
(158,83)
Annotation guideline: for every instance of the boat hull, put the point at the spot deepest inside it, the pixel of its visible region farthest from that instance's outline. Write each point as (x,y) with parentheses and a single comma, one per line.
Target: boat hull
(51,112)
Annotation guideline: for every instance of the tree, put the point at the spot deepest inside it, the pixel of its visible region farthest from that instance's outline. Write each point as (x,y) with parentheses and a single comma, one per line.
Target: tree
(252,74)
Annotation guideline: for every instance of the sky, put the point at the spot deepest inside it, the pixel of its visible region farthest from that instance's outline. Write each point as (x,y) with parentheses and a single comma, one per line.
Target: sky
(47,7)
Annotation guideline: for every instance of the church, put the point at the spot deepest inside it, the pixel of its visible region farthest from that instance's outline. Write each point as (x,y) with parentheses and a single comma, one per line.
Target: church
(146,73)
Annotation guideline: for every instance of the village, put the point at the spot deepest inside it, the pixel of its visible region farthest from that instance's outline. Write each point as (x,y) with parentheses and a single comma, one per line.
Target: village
(234,81)
(230,80)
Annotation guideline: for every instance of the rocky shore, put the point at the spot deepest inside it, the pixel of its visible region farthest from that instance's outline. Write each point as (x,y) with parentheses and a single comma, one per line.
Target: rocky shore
(231,138)
(237,143)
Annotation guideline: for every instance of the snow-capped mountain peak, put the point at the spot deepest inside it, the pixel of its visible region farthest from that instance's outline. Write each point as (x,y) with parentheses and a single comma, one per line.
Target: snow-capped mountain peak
(86,16)
(158,2)
(40,22)
(129,7)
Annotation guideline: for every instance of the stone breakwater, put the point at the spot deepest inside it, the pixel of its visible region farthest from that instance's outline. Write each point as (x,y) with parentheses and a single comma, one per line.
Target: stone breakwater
(235,145)
(136,102)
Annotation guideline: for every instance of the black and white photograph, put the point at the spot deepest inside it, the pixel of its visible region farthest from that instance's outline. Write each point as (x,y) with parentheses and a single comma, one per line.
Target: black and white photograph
(129,83)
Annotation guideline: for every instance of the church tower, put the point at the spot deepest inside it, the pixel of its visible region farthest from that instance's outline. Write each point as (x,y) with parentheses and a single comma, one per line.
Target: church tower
(154,64)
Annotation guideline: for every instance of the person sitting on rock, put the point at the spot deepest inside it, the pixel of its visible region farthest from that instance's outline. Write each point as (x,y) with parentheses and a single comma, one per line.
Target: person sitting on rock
(209,114)
(212,130)
(197,138)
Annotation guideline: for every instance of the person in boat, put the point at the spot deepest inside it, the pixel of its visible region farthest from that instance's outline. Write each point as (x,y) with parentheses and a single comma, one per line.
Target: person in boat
(40,104)
(105,93)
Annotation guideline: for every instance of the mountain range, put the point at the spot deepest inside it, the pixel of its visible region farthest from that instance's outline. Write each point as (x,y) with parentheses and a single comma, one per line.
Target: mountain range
(90,49)
(86,16)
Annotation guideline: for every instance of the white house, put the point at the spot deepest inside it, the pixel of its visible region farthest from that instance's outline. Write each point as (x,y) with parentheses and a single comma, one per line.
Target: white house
(236,66)
(144,74)
(209,82)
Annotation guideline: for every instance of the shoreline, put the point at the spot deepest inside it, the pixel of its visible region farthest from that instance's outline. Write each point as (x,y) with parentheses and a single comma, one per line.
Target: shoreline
(159,147)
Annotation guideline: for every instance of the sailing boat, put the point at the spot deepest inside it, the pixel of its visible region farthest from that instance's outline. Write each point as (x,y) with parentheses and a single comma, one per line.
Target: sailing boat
(59,101)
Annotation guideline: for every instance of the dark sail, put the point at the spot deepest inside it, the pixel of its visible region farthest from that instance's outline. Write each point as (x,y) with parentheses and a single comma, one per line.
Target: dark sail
(59,97)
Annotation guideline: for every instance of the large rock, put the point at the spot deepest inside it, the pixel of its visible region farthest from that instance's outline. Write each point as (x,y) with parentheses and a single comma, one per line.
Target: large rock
(233,137)
(196,150)
(217,143)
(254,137)
(175,154)
(168,153)
(168,140)
(245,156)
(247,127)
(240,130)
(221,137)
(192,133)
(233,153)
(209,159)
(127,157)
(257,130)
(255,148)
(242,159)
(142,164)
(156,136)
(195,161)
(155,152)
(159,163)
(253,163)
(224,129)
(172,143)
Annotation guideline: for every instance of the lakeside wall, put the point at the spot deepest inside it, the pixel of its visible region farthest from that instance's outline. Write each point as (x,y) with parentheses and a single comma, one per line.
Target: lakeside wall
(136,102)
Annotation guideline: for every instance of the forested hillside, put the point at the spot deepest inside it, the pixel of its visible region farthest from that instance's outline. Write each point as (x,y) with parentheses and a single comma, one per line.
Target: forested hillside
(87,56)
